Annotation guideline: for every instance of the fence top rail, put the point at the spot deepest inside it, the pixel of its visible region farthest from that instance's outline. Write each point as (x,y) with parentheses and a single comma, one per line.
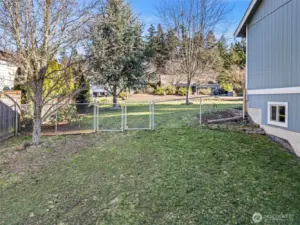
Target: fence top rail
(224,98)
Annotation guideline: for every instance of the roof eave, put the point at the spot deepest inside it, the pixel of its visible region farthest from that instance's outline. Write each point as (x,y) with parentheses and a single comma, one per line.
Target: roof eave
(241,29)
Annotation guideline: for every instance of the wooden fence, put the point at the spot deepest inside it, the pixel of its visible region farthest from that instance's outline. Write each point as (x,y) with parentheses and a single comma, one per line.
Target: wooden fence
(8,121)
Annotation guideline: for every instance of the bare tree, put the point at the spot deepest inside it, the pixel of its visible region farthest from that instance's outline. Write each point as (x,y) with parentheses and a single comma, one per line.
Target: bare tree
(35,32)
(192,21)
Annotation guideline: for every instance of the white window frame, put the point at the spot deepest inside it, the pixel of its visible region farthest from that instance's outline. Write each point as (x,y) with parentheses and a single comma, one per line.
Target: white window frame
(277,123)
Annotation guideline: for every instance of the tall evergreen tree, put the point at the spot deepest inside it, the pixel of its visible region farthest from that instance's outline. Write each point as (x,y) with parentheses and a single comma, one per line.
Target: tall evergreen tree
(172,43)
(151,43)
(117,48)
(238,53)
(224,53)
(161,55)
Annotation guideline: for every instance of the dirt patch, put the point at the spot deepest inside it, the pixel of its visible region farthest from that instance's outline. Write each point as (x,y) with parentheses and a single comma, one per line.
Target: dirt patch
(222,114)
(18,161)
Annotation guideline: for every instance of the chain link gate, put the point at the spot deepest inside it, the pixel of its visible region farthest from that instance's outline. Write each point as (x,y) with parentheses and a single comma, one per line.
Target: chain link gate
(108,117)
(126,116)
(138,116)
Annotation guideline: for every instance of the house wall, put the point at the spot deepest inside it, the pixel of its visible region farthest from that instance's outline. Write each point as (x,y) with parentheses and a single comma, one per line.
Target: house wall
(273,56)
(267,7)
(273,45)
(7,75)
(258,110)
(293,100)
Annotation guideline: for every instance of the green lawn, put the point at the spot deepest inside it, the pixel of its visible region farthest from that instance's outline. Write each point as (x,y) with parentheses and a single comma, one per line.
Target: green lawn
(190,175)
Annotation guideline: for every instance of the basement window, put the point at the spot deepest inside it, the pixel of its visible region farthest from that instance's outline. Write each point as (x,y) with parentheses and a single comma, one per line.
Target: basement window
(278,114)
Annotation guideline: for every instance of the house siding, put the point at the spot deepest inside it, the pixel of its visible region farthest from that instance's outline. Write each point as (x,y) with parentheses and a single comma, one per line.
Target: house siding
(266,8)
(293,100)
(273,46)
(7,75)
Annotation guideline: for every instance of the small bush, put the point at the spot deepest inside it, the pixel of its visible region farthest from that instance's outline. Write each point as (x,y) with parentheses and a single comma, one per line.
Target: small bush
(227,87)
(27,122)
(170,90)
(68,113)
(182,91)
(160,91)
(123,95)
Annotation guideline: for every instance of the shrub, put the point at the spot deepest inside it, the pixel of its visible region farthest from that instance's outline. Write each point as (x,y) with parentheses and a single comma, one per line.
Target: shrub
(170,90)
(205,91)
(27,122)
(227,87)
(182,91)
(123,95)
(68,113)
(160,91)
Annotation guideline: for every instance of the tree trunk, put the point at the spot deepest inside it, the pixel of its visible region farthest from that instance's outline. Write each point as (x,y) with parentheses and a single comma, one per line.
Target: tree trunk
(37,113)
(187,92)
(36,134)
(115,99)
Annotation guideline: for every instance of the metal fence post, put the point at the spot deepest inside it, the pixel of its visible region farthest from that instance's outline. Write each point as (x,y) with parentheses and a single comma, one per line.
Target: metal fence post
(200,113)
(122,118)
(97,118)
(153,115)
(150,115)
(94,117)
(125,116)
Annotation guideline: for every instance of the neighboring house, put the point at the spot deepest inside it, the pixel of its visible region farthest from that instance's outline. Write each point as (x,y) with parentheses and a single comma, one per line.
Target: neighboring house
(272,29)
(179,81)
(7,73)
(98,91)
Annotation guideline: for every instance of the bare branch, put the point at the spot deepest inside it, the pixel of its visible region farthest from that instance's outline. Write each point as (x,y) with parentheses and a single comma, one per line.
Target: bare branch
(193,22)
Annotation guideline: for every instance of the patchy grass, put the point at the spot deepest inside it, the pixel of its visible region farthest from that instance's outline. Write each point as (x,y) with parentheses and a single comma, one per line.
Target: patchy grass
(170,176)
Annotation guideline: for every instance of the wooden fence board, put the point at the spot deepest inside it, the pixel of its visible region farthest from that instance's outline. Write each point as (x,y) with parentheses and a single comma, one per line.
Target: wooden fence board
(7,121)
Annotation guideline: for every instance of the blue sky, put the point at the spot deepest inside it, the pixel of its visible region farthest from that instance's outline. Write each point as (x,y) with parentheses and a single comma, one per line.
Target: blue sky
(146,9)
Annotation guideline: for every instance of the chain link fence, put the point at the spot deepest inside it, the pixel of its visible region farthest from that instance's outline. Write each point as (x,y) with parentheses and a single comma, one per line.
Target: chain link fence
(176,113)
(200,110)
(218,108)
(127,115)
(64,119)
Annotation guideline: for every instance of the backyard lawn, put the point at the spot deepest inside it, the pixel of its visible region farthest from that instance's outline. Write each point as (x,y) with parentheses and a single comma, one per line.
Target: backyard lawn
(190,175)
